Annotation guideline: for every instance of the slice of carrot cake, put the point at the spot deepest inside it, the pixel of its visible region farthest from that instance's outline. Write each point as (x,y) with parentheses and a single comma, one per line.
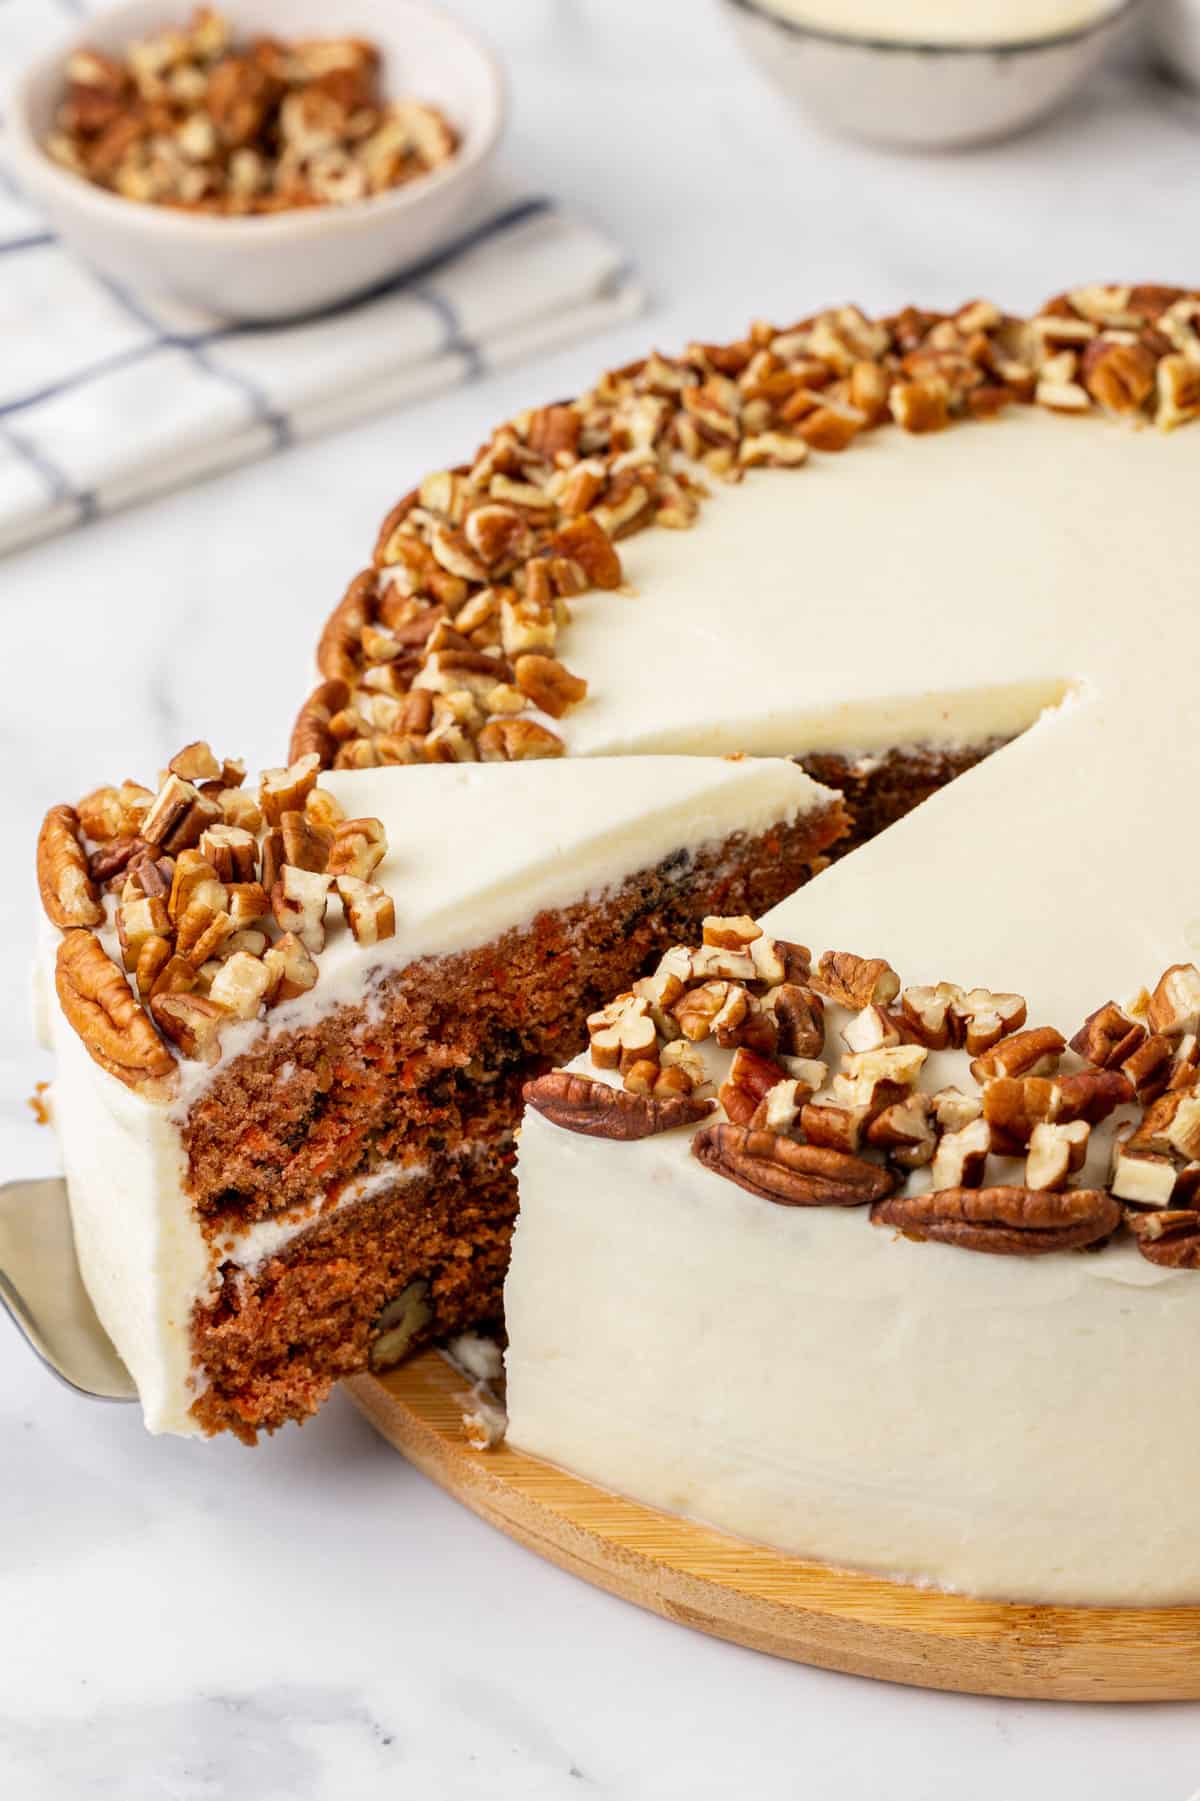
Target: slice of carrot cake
(293,1022)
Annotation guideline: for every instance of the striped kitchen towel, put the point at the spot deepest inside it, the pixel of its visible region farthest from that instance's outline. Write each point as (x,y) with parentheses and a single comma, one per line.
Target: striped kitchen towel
(107,398)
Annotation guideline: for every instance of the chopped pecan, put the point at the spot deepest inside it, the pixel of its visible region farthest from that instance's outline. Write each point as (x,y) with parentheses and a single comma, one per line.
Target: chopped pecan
(780,1106)
(359,847)
(683,1059)
(715,1008)
(195,763)
(777,961)
(1120,376)
(622,1033)
(1055,1152)
(1175,1003)
(194,879)
(800,1017)
(583,1104)
(69,895)
(751,1078)
(240,985)
(1032,1053)
(953,1110)
(855,981)
(1148,1067)
(192,1021)
(517,741)
(303,846)
(370,913)
(178,817)
(732,934)
(988,1017)
(905,1131)
(1183,1132)
(96,999)
(1170,1238)
(960,1159)
(928,1014)
(837,1128)
(548,683)
(290,968)
(137,920)
(1107,1038)
(283,791)
(1144,1178)
(873,1029)
(795,1175)
(299,899)
(1005,1221)
(231,851)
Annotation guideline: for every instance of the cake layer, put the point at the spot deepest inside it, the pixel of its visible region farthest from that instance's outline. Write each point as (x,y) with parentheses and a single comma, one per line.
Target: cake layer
(419,1257)
(1007,1426)
(521,894)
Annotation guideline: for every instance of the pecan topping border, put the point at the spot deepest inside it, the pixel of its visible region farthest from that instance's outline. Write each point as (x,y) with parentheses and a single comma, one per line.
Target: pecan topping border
(1005,1221)
(795,1175)
(582,1104)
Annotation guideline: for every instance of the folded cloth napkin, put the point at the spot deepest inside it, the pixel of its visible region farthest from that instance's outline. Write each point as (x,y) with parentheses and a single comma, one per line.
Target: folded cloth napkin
(106,398)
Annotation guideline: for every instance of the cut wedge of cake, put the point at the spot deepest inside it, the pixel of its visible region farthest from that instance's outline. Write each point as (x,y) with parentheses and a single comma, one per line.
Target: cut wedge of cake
(292,1025)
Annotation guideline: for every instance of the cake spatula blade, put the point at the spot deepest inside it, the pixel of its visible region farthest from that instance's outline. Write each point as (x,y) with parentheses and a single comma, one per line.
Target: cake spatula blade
(43,1293)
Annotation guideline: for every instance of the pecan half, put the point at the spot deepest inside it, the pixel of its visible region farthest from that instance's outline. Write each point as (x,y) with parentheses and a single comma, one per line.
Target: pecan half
(1170,1239)
(96,999)
(1009,1222)
(69,895)
(795,1175)
(581,1104)
(311,734)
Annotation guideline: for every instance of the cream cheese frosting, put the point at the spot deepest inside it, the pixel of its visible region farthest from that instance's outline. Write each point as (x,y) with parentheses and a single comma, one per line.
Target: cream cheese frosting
(1007,1427)
(474,851)
(944,21)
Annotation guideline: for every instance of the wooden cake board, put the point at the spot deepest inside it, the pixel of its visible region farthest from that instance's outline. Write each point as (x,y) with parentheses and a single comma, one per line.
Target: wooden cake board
(808,1612)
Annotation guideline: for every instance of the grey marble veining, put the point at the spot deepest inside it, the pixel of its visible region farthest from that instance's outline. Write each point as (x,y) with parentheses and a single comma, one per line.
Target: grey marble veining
(312,1620)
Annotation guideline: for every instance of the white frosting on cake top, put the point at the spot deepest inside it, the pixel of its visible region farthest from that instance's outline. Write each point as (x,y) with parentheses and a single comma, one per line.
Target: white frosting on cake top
(936,589)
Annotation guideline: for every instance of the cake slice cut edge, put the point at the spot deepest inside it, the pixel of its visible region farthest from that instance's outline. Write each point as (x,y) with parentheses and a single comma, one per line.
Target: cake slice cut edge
(294,1160)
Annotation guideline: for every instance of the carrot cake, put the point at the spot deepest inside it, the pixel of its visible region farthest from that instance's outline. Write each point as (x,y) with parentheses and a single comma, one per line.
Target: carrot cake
(292,1022)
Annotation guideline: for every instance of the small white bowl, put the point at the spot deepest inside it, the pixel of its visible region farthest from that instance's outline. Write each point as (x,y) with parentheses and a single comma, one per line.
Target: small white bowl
(921,96)
(281,264)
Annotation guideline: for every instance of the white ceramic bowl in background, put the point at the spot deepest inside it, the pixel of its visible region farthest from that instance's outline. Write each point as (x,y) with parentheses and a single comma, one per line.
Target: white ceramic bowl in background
(922,96)
(287,263)
(1173,28)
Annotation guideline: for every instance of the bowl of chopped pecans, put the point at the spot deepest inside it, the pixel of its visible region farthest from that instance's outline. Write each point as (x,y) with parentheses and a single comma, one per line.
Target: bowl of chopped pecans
(264,166)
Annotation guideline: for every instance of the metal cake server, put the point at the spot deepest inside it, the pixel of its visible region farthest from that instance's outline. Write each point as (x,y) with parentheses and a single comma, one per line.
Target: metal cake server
(41,1289)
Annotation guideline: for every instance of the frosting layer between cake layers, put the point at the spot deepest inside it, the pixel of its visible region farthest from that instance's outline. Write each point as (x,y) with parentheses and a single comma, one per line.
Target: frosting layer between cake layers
(474,851)
(1016,1428)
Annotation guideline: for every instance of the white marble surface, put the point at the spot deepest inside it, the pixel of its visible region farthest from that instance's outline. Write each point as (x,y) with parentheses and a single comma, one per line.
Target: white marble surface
(312,1620)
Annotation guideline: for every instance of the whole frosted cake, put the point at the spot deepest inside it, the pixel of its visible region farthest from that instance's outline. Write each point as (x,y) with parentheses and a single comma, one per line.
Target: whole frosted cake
(881,1252)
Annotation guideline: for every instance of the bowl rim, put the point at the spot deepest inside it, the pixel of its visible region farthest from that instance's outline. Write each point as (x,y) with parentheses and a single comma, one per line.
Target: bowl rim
(851,40)
(296,222)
